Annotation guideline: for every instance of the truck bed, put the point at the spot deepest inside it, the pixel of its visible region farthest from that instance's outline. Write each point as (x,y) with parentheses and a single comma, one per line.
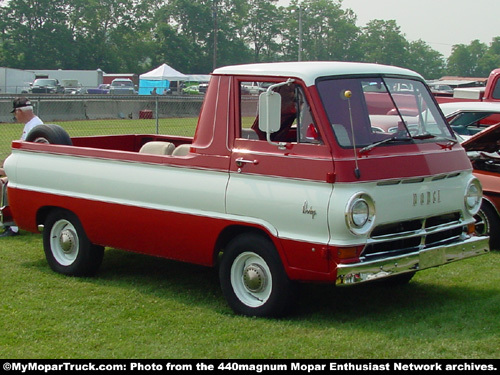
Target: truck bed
(128,142)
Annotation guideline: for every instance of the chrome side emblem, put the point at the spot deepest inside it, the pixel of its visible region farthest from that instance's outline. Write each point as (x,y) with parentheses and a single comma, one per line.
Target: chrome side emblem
(427,198)
(308,210)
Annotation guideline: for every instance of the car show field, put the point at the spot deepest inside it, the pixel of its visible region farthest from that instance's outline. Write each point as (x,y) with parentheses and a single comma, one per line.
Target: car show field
(143,307)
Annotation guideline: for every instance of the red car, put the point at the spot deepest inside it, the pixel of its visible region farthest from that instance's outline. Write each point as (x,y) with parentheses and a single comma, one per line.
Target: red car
(483,150)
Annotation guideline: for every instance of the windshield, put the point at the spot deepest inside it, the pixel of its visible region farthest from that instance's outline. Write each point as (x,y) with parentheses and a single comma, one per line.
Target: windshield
(364,111)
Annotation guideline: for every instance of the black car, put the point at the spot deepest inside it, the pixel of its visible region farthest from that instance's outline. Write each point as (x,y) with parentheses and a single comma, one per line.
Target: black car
(46,86)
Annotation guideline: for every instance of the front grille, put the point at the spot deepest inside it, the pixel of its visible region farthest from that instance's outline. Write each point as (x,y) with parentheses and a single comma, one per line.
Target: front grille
(413,235)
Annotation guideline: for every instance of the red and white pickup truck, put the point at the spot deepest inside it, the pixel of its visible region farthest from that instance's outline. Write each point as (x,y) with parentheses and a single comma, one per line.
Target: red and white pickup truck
(305,184)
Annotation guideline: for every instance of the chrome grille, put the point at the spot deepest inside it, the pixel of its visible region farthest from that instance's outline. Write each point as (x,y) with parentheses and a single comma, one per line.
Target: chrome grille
(413,235)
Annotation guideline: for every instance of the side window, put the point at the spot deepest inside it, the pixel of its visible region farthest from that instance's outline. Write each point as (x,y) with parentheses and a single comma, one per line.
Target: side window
(297,123)
(308,130)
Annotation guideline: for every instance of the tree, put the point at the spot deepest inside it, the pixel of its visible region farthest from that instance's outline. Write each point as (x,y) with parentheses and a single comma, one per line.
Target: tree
(213,30)
(325,30)
(491,59)
(36,34)
(261,31)
(424,60)
(382,42)
(464,60)
(134,36)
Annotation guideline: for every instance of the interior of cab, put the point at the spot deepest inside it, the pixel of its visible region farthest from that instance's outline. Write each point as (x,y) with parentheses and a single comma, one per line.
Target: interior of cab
(296,121)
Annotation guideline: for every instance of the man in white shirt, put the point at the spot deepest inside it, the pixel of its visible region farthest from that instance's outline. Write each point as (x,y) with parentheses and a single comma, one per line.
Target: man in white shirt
(23,111)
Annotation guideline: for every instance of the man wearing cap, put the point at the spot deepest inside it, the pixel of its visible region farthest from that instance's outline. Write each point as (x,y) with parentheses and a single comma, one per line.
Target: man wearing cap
(23,112)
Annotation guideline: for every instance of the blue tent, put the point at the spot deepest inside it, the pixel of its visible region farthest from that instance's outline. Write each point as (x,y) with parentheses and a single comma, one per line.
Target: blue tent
(149,87)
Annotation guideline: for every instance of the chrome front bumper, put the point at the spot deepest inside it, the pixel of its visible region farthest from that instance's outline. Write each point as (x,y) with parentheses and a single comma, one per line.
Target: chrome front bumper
(348,274)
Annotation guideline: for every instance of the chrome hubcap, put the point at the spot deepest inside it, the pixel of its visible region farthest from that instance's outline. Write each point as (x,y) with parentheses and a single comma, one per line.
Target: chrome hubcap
(67,241)
(64,243)
(251,279)
(254,278)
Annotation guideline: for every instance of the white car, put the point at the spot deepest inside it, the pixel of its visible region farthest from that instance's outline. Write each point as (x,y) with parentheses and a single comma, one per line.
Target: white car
(469,118)
(122,86)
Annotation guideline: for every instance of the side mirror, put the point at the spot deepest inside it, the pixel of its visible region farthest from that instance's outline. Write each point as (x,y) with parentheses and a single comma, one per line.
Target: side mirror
(269,112)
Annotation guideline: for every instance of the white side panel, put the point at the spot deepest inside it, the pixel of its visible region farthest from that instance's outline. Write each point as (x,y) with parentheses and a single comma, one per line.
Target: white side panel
(137,184)
(298,209)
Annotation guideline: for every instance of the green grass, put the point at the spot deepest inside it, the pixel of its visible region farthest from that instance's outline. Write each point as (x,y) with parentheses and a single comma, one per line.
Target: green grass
(144,307)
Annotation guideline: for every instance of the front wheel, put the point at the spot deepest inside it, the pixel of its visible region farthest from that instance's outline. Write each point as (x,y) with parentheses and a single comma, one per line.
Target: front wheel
(252,277)
(67,248)
(488,224)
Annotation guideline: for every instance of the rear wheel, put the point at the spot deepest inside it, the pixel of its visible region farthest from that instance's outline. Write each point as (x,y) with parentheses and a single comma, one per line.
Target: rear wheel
(67,248)
(252,277)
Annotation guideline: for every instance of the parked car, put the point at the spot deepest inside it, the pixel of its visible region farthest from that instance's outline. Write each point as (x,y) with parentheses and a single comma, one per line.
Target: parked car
(46,86)
(252,88)
(468,118)
(103,88)
(71,86)
(192,90)
(440,89)
(202,87)
(483,150)
(477,125)
(122,86)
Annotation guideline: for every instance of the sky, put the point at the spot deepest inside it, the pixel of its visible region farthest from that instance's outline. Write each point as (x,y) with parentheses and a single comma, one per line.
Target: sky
(439,23)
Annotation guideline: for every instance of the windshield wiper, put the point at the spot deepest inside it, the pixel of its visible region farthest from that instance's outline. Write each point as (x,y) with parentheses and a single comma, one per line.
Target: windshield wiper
(429,135)
(423,136)
(387,140)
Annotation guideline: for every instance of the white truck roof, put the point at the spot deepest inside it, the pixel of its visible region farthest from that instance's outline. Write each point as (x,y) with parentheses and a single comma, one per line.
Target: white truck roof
(309,71)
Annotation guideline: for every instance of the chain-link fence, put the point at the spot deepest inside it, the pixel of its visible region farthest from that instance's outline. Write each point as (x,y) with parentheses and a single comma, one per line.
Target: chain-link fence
(83,115)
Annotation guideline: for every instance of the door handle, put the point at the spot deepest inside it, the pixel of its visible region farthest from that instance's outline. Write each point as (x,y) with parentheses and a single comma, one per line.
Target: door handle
(240,162)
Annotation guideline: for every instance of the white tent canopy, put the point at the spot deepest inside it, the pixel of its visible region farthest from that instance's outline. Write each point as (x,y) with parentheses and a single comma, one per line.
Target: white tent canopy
(162,73)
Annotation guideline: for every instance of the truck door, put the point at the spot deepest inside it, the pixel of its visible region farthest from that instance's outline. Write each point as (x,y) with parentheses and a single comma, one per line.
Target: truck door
(284,190)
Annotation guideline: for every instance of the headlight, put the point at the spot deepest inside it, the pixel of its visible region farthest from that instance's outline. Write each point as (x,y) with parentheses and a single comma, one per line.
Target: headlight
(473,195)
(360,213)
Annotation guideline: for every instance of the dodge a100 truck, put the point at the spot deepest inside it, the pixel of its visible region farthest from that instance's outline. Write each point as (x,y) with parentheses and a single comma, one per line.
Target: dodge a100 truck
(338,173)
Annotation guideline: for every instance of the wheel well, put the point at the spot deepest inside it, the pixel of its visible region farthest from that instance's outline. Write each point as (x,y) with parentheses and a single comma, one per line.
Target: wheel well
(231,232)
(43,212)
(490,204)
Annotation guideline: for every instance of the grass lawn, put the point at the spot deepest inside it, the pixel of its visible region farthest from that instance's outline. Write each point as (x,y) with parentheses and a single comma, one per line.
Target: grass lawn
(144,307)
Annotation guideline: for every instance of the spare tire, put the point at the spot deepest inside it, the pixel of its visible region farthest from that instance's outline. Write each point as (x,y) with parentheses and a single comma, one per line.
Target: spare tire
(49,133)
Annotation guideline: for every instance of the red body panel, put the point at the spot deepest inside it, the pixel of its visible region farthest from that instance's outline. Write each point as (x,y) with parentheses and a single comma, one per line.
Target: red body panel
(182,237)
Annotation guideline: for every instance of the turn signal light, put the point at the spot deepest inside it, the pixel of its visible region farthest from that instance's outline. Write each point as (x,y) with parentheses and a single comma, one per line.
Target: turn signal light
(349,252)
(471,228)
